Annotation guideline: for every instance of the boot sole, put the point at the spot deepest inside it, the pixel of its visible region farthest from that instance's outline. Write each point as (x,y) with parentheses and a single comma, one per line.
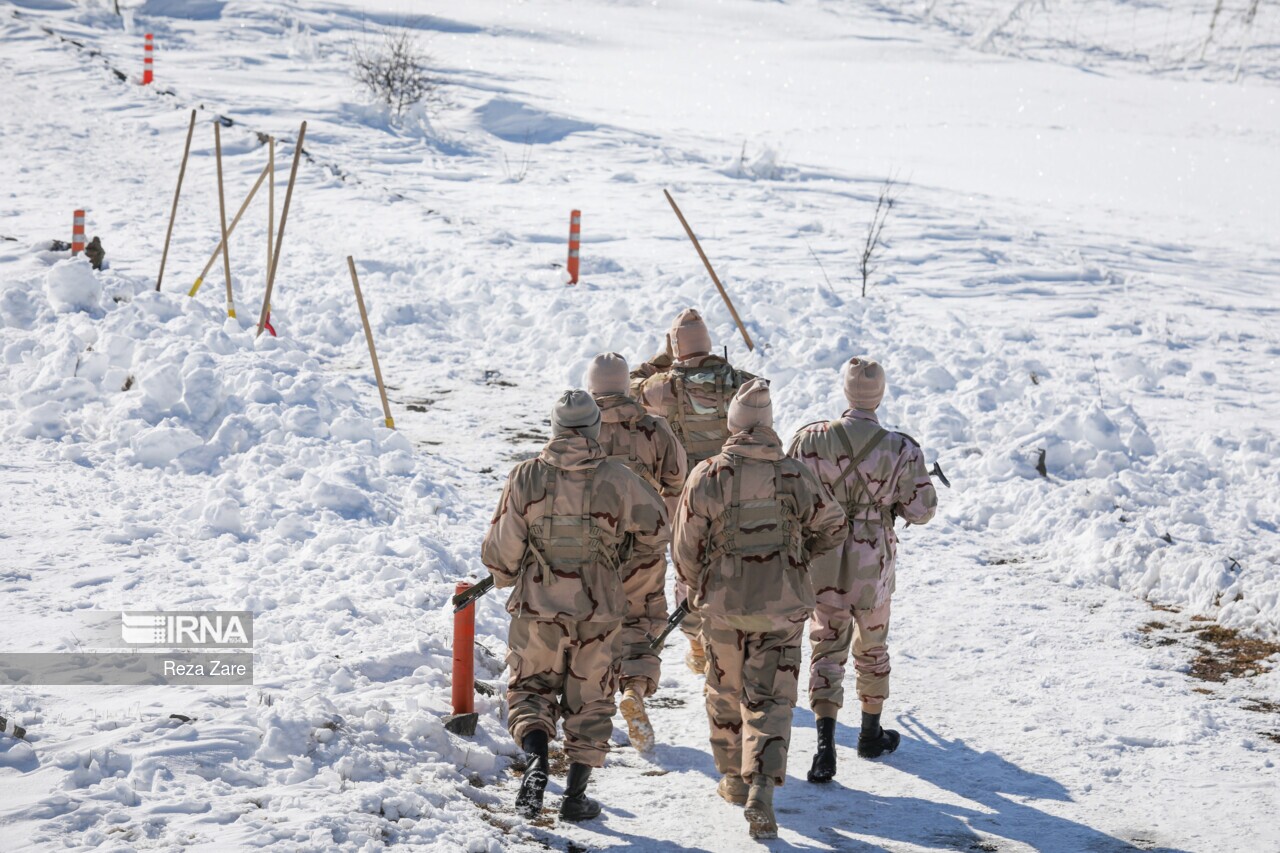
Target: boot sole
(639,729)
(538,783)
(761,824)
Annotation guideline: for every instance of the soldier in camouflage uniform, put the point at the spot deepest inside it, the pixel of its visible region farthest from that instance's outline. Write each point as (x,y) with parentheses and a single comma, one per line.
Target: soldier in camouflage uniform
(660,362)
(877,476)
(693,394)
(556,539)
(645,444)
(748,521)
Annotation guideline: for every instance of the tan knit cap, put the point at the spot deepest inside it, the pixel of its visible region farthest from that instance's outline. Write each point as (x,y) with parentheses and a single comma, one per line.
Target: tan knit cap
(863,383)
(607,374)
(752,406)
(689,335)
(575,413)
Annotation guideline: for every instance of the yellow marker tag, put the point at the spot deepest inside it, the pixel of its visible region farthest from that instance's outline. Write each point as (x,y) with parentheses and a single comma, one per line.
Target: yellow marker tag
(231,312)
(196,286)
(390,423)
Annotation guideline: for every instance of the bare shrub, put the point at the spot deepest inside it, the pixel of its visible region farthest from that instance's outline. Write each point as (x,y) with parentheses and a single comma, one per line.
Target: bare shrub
(868,263)
(394,70)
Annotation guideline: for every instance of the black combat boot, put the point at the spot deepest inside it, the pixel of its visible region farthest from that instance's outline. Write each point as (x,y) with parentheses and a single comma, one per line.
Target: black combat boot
(824,762)
(577,805)
(534,785)
(874,741)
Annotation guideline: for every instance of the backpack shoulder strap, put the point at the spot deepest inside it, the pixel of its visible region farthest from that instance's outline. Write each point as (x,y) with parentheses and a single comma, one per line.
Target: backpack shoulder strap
(855,459)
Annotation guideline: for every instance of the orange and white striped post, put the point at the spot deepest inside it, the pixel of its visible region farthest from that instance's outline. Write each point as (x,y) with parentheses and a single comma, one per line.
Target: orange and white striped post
(148,50)
(77,233)
(575,237)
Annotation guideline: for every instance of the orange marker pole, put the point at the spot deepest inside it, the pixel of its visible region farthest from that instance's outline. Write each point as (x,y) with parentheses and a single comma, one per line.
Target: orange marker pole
(575,236)
(147,77)
(77,232)
(464,657)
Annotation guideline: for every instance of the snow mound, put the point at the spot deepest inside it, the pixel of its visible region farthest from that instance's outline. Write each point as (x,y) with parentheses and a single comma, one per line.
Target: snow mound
(72,286)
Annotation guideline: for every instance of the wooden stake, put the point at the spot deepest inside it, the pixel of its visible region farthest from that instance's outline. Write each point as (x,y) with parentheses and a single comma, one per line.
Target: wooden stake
(222,213)
(368,335)
(719,286)
(231,229)
(271,198)
(173,213)
(284,216)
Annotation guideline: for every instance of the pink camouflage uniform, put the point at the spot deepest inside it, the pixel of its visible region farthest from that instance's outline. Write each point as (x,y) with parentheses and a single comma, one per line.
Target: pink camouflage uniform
(854,584)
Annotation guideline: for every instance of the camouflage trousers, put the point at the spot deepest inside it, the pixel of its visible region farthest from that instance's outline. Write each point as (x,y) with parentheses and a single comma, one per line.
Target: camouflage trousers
(564,671)
(646,614)
(833,631)
(752,678)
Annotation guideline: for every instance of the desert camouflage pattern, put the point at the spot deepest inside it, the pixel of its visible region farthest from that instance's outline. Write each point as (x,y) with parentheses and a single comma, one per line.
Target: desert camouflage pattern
(569,525)
(646,445)
(758,566)
(752,679)
(643,442)
(855,582)
(660,362)
(833,632)
(566,672)
(748,573)
(558,535)
(693,395)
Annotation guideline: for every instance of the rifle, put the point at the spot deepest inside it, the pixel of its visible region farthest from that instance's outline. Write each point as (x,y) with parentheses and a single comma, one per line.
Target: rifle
(936,471)
(463,599)
(673,621)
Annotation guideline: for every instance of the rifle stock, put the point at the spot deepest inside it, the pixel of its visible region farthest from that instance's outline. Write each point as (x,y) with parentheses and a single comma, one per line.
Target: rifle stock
(463,599)
(673,621)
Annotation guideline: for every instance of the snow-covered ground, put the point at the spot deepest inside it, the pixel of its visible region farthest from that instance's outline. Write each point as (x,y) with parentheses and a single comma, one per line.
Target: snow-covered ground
(1082,261)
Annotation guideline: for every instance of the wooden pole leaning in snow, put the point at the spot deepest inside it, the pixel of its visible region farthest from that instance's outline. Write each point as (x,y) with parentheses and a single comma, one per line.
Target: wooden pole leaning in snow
(271,198)
(720,287)
(186,151)
(284,216)
(231,229)
(368,336)
(222,215)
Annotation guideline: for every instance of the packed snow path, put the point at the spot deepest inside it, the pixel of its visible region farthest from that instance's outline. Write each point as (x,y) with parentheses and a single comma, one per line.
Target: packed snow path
(1093,279)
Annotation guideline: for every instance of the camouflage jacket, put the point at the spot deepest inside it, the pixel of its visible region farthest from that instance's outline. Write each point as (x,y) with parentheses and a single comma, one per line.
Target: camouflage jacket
(694,395)
(567,566)
(748,522)
(643,442)
(890,482)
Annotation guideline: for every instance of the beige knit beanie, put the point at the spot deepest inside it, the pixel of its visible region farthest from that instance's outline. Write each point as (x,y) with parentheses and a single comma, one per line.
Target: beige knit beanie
(751,406)
(863,383)
(607,374)
(575,413)
(689,335)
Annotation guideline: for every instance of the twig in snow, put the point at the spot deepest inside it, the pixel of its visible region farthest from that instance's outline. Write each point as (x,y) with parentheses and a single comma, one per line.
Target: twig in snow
(867,264)
(820,266)
(1097,376)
